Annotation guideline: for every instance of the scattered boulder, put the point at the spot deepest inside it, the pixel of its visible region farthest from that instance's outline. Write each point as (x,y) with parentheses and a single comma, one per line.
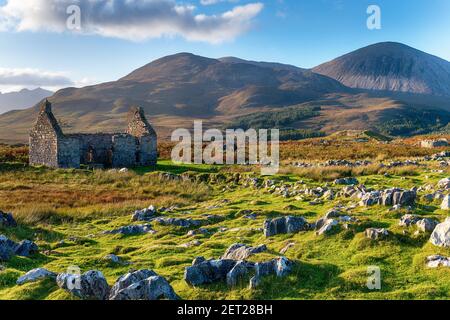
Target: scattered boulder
(279,266)
(437,261)
(178,222)
(132,230)
(6,248)
(237,274)
(376,234)
(35,275)
(242,252)
(90,286)
(444,184)
(346,181)
(427,225)
(389,197)
(112,258)
(326,226)
(285,225)
(408,220)
(441,234)
(26,248)
(142,285)
(446,202)
(7,220)
(130,278)
(208,272)
(146,214)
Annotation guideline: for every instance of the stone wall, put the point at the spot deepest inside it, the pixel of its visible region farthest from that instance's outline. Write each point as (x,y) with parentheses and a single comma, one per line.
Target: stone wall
(50,147)
(125,151)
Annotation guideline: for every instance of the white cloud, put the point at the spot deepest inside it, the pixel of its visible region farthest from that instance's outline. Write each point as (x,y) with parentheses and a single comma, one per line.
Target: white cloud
(134,20)
(211,2)
(33,77)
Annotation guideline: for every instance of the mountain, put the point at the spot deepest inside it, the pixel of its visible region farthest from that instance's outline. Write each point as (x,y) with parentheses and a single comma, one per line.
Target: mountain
(177,89)
(22,99)
(390,66)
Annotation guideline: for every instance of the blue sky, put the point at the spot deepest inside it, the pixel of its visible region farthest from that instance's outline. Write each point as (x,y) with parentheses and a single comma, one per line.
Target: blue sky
(124,35)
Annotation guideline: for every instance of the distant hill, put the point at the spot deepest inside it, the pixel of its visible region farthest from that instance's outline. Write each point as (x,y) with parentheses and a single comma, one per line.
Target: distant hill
(397,90)
(391,66)
(22,99)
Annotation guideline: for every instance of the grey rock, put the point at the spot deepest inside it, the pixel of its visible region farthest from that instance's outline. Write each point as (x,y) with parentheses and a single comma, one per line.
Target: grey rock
(408,220)
(326,226)
(198,260)
(36,275)
(26,248)
(254,282)
(437,261)
(90,286)
(242,252)
(132,230)
(7,220)
(444,184)
(208,272)
(346,181)
(445,205)
(6,248)
(285,225)
(376,234)
(178,222)
(237,274)
(130,278)
(441,234)
(427,225)
(152,288)
(146,214)
(112,258)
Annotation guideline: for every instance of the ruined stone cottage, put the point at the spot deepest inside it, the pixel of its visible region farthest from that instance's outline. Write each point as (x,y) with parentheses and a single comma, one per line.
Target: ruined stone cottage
(49,146)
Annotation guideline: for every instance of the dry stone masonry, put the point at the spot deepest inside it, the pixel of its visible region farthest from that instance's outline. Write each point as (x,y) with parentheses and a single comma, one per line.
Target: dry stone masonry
(50,147)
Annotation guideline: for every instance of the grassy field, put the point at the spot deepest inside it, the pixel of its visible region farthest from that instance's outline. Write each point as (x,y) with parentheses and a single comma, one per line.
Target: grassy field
(78,205)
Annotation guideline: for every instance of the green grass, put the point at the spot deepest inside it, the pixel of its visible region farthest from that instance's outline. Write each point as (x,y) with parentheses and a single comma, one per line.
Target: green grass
(77,205)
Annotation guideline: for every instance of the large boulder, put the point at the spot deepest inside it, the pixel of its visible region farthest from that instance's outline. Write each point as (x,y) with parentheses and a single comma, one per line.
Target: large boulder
(130,278)
(326,226)
(151,288)
(408,220)
(7,247)
(36,275)
(441,234)
(7,220)
(427,225)
(279,266)
(90,286)
(285,225)
(240,251)
(237,274)
(208,271)
(445,205)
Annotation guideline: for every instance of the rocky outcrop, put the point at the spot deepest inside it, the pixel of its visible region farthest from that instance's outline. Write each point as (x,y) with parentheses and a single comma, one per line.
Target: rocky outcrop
(445,205)
(285,225)
(389,197)
(132,230)
(242,252)
(90,286)
(35,275)
(142,285)
(8,248)
(146,214)
(178,222)
(441,234)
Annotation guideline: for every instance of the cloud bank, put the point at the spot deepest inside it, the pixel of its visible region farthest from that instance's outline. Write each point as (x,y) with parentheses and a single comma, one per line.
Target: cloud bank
(33,77)
(135,20)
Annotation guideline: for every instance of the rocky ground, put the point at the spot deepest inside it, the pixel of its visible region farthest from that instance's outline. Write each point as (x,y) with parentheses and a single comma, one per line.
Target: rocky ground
(209,232)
